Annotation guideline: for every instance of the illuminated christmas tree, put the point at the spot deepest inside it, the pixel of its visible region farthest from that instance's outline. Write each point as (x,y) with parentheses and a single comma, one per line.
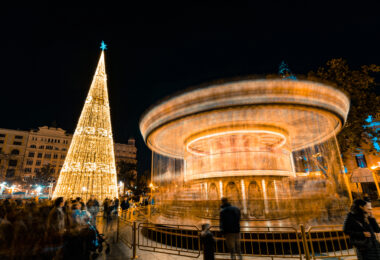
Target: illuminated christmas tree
(89,167)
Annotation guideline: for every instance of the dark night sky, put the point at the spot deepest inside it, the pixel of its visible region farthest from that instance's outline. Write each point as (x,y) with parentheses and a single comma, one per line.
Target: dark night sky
(49,55)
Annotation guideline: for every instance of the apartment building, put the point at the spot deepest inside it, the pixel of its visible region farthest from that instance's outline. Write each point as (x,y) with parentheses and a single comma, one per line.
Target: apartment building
(12,152)
(24,153)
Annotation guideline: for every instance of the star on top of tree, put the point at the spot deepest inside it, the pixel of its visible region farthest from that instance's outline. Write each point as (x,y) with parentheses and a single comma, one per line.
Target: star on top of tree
(103,46)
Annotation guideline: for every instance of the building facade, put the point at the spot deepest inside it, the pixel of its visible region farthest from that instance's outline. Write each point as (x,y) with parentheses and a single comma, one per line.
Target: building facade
(47,145)
(24,153)
(126,152)
(13,145)
(361,166)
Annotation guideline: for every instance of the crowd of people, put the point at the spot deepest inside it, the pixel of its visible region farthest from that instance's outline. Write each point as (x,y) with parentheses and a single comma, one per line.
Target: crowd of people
(46,229)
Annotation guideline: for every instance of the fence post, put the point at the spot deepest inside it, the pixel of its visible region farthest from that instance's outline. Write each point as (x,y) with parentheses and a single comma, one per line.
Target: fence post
(117,229)
(304,242)
(134,243)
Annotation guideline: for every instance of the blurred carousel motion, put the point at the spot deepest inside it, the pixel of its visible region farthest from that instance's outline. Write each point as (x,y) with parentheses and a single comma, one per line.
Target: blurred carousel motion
(268,145)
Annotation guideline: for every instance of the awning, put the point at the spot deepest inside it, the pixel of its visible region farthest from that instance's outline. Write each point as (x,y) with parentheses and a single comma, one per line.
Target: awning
(362,175)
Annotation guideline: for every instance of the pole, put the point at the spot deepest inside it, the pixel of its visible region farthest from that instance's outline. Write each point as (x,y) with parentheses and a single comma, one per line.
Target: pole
(304,242)
(346,181)
(134,243)
(117,229)
(151,169)
(376,183)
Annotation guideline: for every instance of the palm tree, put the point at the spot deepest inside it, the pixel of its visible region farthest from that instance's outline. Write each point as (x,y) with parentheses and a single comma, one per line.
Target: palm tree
(126,172)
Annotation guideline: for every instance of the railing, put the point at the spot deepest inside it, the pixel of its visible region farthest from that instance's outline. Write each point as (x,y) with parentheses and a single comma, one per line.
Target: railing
(315,242)
(182,240)
(328,242)
(273,242)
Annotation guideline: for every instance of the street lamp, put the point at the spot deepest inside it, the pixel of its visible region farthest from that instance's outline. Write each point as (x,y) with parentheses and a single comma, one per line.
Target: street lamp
(38,189)
(2,185)
(121,188)
(373,168)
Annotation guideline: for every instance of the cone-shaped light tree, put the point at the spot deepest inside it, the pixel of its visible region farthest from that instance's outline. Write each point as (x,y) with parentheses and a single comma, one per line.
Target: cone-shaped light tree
(89,167)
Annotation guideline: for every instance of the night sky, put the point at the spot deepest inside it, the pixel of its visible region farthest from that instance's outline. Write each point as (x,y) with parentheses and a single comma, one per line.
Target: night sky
(49,55)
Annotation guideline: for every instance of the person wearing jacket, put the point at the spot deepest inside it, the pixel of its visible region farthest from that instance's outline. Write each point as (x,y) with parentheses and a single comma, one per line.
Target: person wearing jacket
(361,227)
(124,204)
(56,218)
(207,243)
(93,208)
(55,229)
(230,226)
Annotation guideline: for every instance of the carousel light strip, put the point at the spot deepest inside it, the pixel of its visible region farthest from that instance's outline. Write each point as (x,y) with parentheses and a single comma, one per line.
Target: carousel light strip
(230,133)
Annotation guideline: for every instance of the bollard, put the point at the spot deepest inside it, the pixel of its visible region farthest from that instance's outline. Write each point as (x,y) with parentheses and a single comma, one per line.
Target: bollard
(134,244)
(304,242)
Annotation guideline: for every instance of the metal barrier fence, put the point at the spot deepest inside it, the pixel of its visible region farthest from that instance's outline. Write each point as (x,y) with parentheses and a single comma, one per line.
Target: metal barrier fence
(316,242)
(182,240)
(328,242)
(273,242)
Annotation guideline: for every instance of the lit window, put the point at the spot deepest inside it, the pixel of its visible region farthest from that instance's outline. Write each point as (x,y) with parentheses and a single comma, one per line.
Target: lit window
(361,161)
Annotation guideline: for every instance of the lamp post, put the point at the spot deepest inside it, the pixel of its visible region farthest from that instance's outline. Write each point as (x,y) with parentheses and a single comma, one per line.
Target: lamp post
(151,186)
(121,188)
(38,190)
(373,168)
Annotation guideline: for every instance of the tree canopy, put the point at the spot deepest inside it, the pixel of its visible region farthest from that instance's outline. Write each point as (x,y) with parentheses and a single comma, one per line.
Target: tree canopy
(44,176)
(126,172)
(360,86)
